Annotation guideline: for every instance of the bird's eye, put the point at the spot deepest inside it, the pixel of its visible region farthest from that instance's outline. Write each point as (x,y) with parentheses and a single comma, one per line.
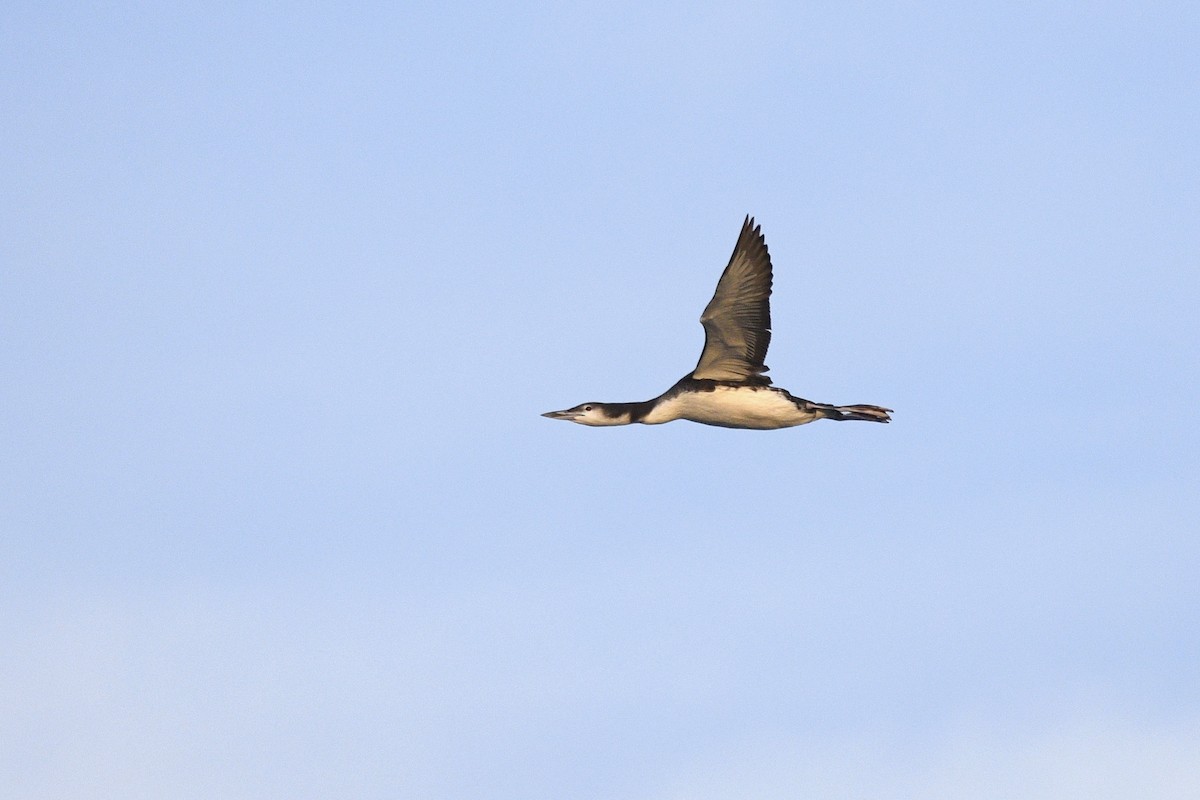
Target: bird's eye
(587,408)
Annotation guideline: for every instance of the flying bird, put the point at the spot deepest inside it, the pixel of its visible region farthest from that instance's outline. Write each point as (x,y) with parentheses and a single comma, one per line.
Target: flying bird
(728,388)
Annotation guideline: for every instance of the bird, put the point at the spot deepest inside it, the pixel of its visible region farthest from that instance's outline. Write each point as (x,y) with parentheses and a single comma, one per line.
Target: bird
(728,388)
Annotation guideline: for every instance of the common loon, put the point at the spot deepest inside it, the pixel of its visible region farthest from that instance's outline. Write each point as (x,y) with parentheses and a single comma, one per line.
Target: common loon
(728,387)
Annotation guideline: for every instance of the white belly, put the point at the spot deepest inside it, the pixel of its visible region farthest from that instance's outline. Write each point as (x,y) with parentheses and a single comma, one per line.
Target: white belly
(732,407)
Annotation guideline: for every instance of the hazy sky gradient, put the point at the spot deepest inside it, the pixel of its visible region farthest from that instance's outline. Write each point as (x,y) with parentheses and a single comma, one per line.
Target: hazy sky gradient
(284,290)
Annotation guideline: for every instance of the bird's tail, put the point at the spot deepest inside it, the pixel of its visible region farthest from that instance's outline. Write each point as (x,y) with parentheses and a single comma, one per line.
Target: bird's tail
(868,413)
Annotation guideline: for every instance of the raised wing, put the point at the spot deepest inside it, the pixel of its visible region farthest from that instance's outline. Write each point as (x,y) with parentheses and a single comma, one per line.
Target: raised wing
(737,321)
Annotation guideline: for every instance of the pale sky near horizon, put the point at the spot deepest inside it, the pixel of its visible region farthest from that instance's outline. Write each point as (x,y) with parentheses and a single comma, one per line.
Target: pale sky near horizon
(284,290)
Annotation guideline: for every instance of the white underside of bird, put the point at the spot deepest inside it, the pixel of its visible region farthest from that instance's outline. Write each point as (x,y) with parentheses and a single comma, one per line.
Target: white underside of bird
(759,407)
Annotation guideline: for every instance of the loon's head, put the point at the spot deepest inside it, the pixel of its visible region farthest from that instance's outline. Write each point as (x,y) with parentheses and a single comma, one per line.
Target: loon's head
(595,414)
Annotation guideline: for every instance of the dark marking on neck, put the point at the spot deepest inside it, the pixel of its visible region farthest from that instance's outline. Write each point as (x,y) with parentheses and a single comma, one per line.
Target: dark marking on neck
(638,411)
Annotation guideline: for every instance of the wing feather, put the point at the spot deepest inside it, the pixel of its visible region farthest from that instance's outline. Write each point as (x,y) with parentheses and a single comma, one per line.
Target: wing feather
(737,321)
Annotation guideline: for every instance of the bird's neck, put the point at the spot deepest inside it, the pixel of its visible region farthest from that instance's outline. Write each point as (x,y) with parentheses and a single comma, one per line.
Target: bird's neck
(627,413)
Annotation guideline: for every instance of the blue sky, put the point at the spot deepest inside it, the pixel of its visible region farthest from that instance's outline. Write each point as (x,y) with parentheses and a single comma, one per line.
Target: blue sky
(285,289)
